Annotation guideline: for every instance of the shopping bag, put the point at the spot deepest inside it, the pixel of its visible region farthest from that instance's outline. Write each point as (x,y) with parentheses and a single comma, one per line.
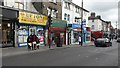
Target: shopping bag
(30,44)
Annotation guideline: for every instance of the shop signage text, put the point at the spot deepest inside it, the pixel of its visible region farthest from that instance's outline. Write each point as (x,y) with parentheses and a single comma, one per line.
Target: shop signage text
(30,18)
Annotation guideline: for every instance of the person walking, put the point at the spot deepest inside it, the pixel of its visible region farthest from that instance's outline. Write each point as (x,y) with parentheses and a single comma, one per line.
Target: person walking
(80,40)
(34,40)
(29,41)
(110,37)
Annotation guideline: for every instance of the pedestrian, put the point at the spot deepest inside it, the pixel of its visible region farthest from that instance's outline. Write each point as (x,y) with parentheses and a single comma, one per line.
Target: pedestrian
(38,43)
(80,40)
(34,40)
(29,41)
(110,37)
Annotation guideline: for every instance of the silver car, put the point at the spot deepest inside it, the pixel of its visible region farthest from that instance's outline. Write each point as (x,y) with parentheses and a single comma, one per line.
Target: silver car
(102,42)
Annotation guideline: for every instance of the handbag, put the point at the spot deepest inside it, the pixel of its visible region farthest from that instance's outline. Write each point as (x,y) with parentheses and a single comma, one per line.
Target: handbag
(30,44)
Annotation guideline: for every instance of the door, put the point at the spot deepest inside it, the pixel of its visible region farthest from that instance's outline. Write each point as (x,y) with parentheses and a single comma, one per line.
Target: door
(32,29)
(7,33)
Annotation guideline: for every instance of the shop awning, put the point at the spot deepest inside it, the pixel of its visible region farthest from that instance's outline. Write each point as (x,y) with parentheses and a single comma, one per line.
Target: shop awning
(74,25)
(57,29)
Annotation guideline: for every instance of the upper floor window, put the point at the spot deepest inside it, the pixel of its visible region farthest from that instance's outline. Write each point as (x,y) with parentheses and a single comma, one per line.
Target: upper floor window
(92,26)
(49,11)
(65,16)
(67,5)
(68,17)
(77,10)
(54,1)
(54,13)
(19,5)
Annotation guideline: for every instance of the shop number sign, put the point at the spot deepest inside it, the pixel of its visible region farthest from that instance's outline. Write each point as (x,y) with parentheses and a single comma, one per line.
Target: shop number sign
(31,18)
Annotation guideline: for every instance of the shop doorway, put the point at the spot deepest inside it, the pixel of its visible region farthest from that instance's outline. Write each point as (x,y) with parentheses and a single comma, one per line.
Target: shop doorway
(32,30)
(7,34)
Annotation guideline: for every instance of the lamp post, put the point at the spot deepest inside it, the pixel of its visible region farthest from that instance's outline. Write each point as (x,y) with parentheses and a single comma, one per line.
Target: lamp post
(49,24)
(116,29)
(82,24)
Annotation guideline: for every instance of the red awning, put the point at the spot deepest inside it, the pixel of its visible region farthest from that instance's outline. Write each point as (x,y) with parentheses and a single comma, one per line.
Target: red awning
(55,29)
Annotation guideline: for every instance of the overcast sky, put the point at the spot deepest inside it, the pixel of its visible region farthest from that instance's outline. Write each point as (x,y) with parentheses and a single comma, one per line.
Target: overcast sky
(108,9)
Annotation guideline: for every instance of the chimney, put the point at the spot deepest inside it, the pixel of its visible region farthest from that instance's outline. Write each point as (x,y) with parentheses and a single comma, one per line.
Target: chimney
(99,17)
(92,14)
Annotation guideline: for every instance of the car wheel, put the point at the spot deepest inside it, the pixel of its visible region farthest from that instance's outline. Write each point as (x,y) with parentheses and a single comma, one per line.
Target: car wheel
(96,45)
(106,45)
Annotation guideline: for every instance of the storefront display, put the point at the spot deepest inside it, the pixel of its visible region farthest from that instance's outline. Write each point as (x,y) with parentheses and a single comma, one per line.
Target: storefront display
(88,35)
(31,23)
(23,35)
(40,35)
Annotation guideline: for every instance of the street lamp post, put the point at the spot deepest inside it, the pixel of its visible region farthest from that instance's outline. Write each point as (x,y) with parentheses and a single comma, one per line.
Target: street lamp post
(116,29)
(49,24)
(82,24)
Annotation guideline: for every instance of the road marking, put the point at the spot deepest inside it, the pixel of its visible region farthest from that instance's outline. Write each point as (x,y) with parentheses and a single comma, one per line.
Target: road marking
(96,58)
(86,56)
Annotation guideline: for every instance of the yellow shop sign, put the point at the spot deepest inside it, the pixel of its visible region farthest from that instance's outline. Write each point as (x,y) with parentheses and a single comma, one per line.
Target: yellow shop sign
(30,18)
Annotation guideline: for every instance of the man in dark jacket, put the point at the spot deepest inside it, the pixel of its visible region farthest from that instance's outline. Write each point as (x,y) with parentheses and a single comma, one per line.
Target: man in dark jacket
(29,41)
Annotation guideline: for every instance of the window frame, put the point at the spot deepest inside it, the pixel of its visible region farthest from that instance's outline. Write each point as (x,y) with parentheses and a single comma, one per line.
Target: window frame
(18,5)
(93,27)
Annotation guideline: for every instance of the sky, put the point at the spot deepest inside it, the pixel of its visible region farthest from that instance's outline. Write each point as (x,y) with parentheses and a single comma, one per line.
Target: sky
(108,9)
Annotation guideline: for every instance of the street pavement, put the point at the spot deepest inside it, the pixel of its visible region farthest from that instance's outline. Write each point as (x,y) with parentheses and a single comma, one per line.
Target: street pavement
(67,56)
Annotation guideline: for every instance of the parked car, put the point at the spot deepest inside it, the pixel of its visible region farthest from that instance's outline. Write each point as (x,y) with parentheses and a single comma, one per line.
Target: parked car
(118,40)
(102,42)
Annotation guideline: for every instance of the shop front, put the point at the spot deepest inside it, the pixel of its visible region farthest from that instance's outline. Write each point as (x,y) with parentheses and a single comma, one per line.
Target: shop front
(76,32)
(88,35)
(30,23)
(68,33)
(57,31)
(9,19)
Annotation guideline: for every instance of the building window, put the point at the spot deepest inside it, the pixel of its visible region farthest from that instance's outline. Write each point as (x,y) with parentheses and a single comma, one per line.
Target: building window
(19,5)
(65,16)
(49,11)
(75,20)
(54,1)
(92,26)
(68,17)
(54,13)
(67,5)
(77,10)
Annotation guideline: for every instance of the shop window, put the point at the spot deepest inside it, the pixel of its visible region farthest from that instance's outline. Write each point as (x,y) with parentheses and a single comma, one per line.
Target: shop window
(0,26)
(8,24)
(22,35)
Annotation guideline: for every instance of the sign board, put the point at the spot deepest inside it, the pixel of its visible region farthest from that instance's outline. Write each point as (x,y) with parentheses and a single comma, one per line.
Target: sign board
(30,18)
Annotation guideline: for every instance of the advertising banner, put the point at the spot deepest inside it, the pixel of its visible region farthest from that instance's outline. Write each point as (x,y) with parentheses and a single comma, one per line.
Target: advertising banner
(31,18)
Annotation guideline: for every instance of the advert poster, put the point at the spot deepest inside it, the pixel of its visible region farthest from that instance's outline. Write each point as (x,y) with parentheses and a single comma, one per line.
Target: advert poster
(31,18)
